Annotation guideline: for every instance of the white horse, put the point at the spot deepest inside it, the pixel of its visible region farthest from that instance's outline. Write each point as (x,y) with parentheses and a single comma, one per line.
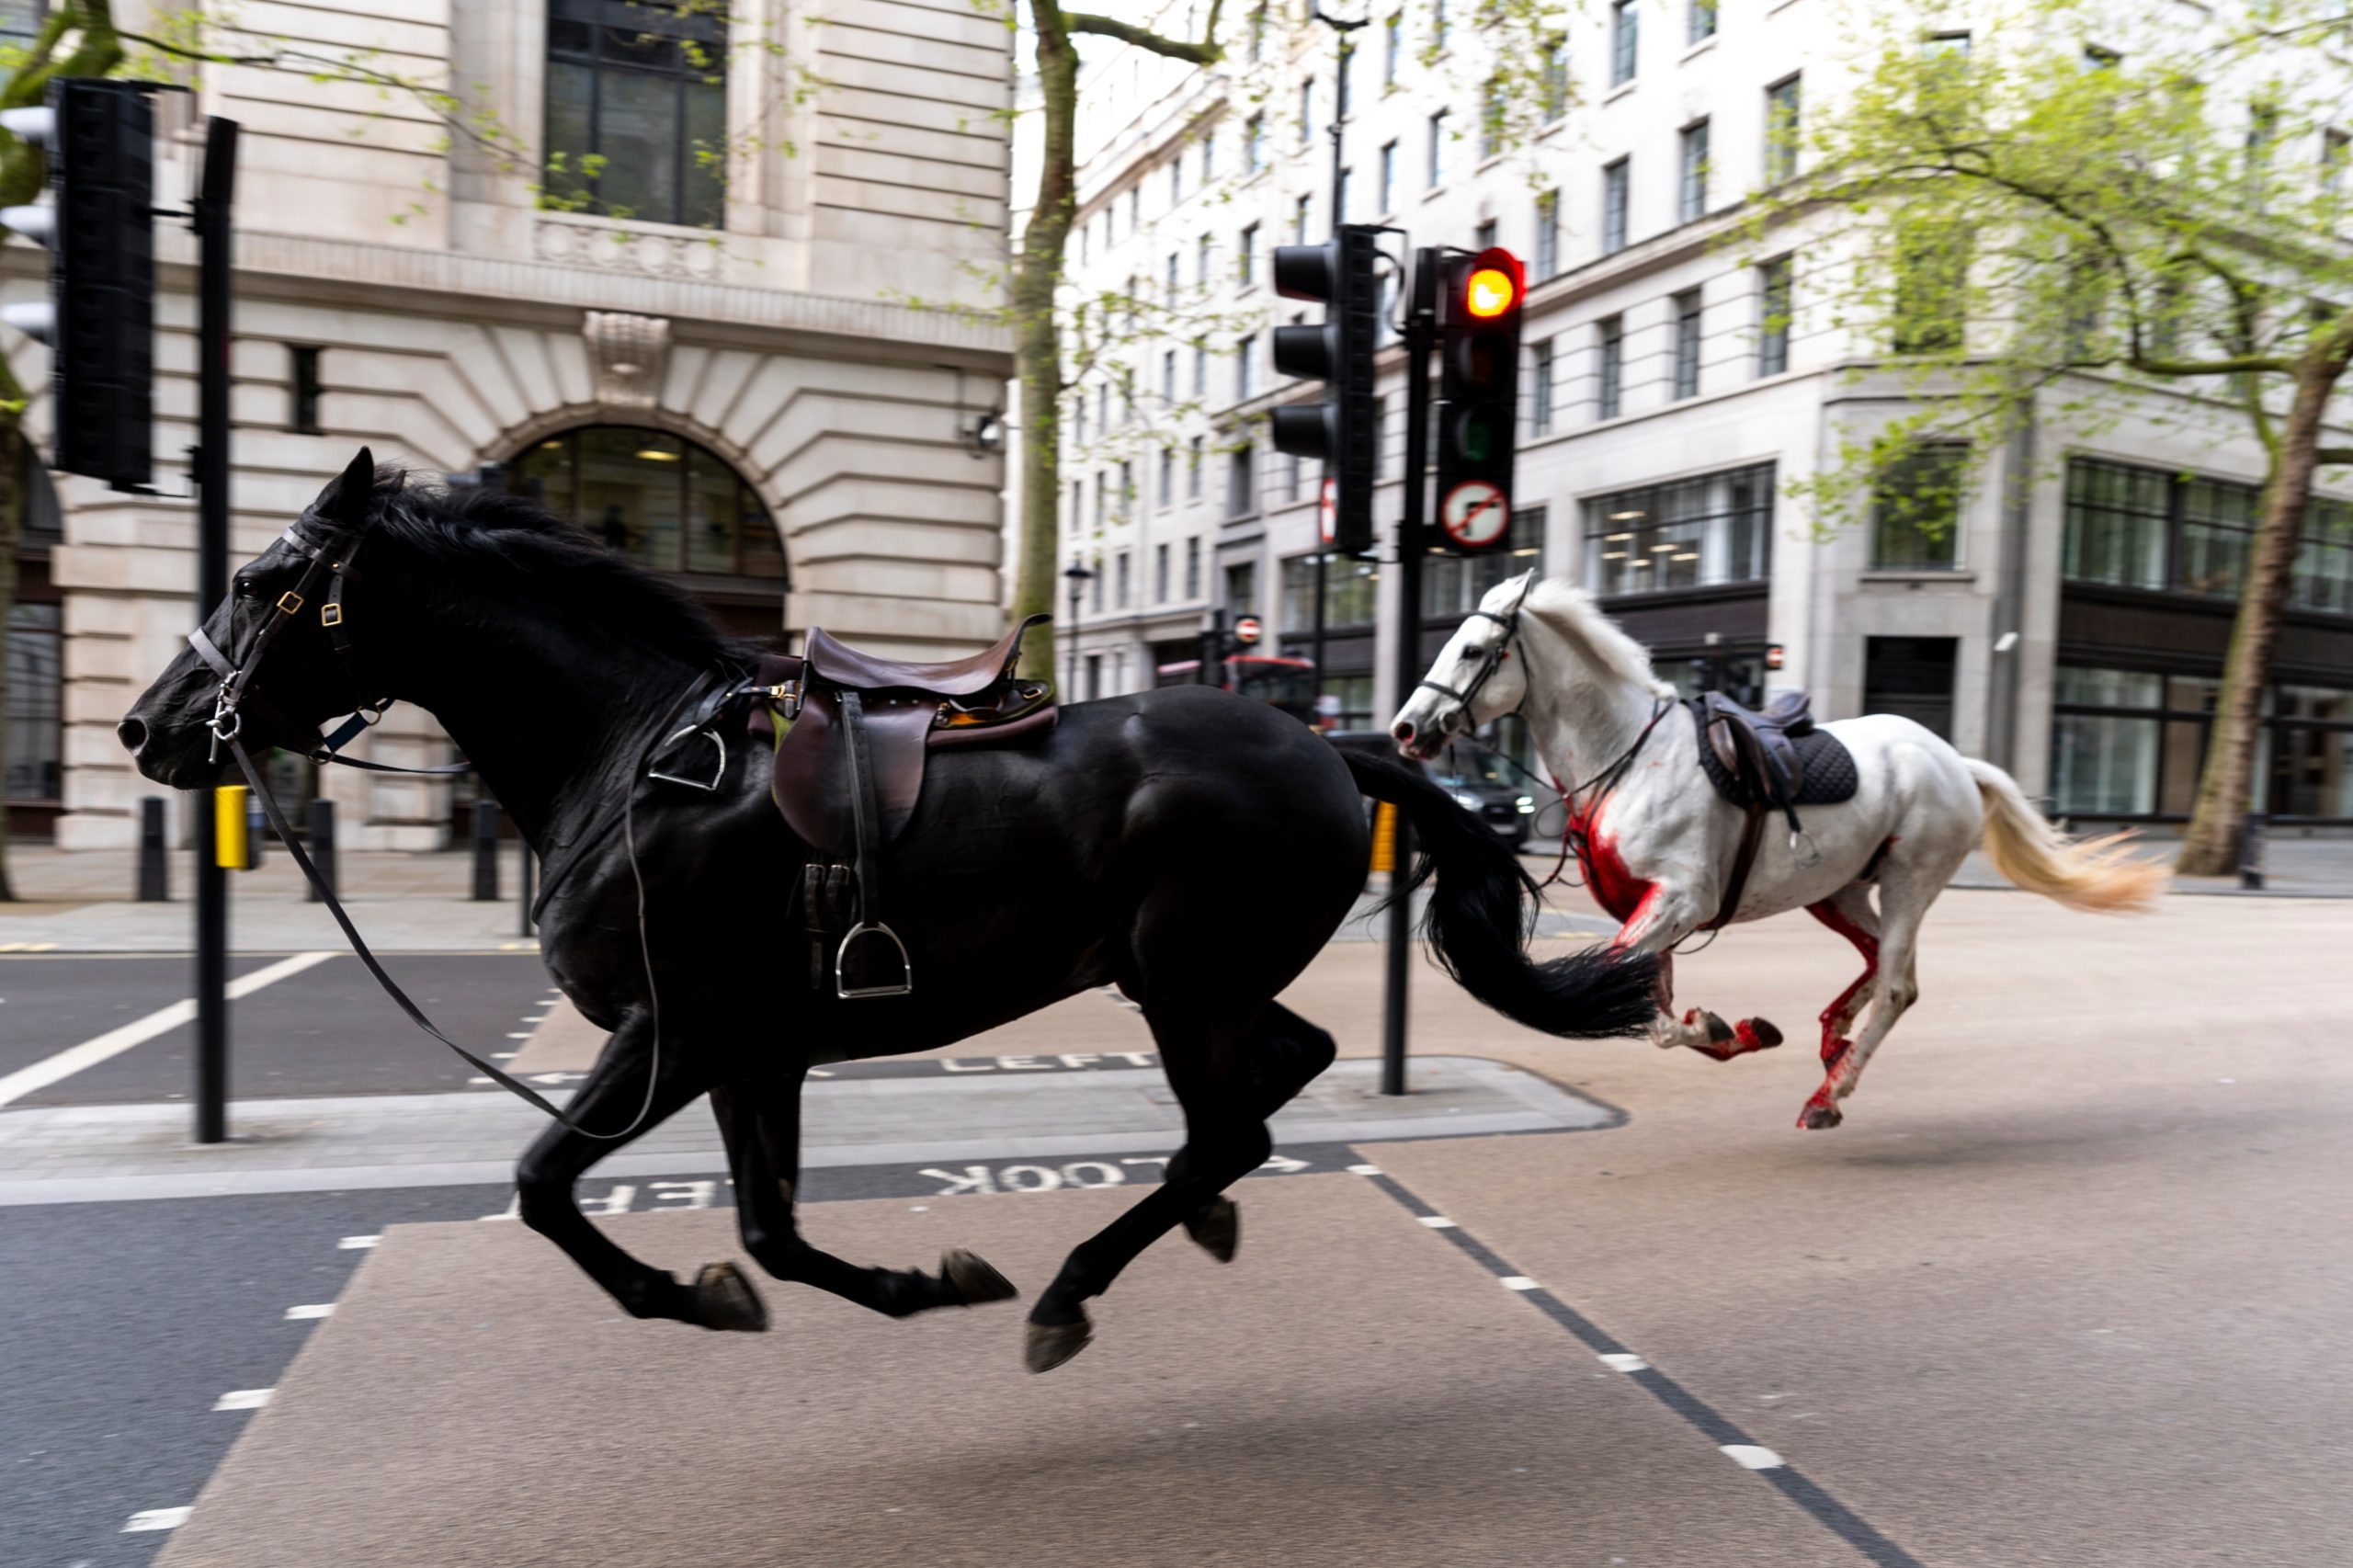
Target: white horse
(1658,845)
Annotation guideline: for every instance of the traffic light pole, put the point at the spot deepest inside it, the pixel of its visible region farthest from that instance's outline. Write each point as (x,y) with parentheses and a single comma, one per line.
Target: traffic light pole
(214,238)
(1420,323)
(1341,49)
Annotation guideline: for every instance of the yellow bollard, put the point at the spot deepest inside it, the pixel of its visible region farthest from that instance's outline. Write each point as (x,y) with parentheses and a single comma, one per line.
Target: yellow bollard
(1384,837)
(232,851)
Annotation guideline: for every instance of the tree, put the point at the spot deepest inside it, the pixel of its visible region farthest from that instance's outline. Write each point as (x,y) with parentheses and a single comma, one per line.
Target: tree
(2031,228)
(1513,68)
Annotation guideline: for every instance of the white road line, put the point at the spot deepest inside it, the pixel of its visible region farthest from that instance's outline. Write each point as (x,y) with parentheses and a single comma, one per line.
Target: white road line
(1748,1456)
(315,1309)
(158,1519)
(115,1041)
(1364,1170)
(356,1243)
(1622,1362)
(243,1399)
(1519,1282)
(1436,1222)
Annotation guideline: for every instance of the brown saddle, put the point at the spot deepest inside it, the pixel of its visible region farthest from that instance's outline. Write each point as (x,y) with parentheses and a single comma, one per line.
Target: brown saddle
(853,732)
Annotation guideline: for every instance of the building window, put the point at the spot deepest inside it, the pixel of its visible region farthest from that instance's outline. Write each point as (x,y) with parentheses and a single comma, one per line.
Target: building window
(1343,87)
(1095,587)
(1351,594)
(1483,236)
(1691,193)
(303,390)
(1773,299)
(1160,574)
(1379,439)
(1177,180)
(1307,111)
(1387,177)
(1077,505)
(1246,258)
(2262,137)
(1200,368)
(2323,579)
(1687,534)
(1702,20)
(1193,473)
(2107,737)
(1556,81)
(1301,212)
(666,503)
(1209,158)
(1547,236)
(637,111)
(1257,35)
(1437,149)
(2098,57)
(1241,591)
(1295,475)
(1121,564)
(1624,22)
(1616,189)
(1610,367)
(1539,403)
(1246,368)
(1102,499)
(1437,26)
(1241,481)
(1168,477)
(1340,196)
(1192,569)
(1393,47)
(1784,122)
(2334,147)
(1253,143)
(1916,508)
(1095,661)
(1452,586)
(2117,520)
(36,654)
(1168,375)
(2217,533)
(1687,343)
(1931,279)
(1491,110)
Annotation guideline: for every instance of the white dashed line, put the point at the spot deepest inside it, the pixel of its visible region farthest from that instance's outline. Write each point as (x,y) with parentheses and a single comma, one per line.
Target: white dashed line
(1519,1282)
(158,1519)
(315,1309)
(1622,1362)
(243,1399)
(1748,1456)
(525,1034)
(356,1243)
(1364,1170)
(1436,1222)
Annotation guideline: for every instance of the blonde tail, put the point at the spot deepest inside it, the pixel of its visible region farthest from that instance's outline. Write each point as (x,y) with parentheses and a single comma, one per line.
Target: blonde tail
(2096,874)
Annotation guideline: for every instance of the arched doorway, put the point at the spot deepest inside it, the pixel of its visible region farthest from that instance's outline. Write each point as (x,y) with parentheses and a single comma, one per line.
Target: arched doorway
(671,505)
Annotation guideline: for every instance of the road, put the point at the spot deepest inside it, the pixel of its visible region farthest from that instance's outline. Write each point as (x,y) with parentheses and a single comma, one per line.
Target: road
(2069,1287)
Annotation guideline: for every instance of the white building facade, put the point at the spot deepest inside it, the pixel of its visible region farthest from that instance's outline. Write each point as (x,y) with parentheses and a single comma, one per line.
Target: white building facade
(2069,624)
(685,288)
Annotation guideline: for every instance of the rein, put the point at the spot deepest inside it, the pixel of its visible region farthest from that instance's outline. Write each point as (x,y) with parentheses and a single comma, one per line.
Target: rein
(227,725)
(1600,785)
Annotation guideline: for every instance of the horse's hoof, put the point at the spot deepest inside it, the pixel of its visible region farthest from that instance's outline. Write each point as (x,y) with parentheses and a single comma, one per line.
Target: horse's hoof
(725,1299)
(1217,1229)
(970,1276)
(1719,1032)
(1759,1034)
(1819,1116)
(1051,1344)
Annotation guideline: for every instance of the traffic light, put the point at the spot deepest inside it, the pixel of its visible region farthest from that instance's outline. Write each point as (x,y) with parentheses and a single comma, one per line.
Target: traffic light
(1340,430)
(1478,325)
(100,318)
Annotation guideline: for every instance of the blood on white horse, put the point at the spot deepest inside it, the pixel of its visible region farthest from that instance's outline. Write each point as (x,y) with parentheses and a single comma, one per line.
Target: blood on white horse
(1658,845)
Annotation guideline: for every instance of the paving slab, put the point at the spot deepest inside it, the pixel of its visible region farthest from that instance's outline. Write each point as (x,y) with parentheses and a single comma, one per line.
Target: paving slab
(1352,1392)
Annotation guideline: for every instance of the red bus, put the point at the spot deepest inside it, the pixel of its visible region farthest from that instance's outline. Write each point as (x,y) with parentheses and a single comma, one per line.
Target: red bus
(1287,683)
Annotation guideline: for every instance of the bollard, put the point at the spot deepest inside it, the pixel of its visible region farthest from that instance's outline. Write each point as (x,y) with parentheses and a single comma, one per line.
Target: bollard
(321,833)
(2251,852)
(485,850)
(523,870)
(154,859)
(232,848)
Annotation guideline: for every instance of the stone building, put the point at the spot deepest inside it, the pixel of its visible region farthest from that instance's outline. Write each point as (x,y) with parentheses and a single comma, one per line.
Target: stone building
(2071,627)
(746,382)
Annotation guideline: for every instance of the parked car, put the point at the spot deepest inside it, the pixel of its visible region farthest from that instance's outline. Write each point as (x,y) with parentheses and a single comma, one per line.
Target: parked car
(1470,772)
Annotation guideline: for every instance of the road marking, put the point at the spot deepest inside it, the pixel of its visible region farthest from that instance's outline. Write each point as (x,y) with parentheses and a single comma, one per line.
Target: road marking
(1730,1440)
(115,1041)
(356,1243)
(1748,1456)
(243,1399)
(28,946)
(315,1309)
(158,1519)
(1364,1170)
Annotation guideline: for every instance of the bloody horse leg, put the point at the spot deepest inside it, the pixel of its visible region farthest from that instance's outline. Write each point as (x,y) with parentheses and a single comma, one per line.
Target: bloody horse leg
(764,1156)
(1847,911)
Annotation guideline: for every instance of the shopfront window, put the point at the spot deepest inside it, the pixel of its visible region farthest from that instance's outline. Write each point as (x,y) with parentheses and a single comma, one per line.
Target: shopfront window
(2142,527)
(666,503)
(1452,586)
(1688,534)
(1351,594)
(2117,521)
(2325,561)
(2132,743)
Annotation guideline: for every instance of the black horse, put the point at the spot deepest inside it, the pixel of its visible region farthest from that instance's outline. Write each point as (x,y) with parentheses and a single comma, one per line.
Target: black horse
(1194,848)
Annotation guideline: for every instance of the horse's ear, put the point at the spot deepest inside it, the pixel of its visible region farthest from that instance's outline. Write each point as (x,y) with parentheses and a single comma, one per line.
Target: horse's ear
(355,493)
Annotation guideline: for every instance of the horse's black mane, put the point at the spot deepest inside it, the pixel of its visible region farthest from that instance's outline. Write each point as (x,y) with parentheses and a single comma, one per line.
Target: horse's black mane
(470,527)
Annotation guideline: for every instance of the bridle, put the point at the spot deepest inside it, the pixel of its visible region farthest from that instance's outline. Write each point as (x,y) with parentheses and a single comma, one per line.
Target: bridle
(1457,721)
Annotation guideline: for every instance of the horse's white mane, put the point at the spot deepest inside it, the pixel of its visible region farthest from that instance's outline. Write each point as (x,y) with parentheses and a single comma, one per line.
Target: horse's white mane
(1569,610)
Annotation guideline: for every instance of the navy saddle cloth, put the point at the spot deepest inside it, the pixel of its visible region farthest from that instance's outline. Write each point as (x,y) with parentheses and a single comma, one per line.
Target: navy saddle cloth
(1824,768)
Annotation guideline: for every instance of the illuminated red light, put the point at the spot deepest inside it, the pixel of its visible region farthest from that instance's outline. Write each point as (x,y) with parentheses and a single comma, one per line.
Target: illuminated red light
(1490,292)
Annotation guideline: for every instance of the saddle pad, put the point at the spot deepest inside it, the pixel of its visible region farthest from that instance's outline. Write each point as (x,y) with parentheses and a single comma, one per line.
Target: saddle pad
(1829,767)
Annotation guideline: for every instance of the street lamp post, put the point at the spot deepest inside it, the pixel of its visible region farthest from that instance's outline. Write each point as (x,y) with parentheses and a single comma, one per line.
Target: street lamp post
(1077,575)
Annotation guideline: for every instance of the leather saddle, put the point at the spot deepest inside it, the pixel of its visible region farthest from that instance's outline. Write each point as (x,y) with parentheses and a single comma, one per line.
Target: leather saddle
(1768,761)
(853,731)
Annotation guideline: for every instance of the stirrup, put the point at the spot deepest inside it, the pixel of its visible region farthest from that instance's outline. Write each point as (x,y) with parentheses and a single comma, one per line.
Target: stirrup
(849,993)
(1801,850)
(717,775)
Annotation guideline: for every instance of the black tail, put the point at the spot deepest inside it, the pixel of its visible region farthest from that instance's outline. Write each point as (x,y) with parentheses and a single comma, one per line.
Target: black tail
(1482,912)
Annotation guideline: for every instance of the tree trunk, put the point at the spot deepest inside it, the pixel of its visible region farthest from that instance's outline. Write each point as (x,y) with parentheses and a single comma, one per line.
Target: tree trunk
(1037,357)
(2226,785)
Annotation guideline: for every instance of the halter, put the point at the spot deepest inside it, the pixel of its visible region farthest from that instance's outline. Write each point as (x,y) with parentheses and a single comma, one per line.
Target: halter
(1458,720)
